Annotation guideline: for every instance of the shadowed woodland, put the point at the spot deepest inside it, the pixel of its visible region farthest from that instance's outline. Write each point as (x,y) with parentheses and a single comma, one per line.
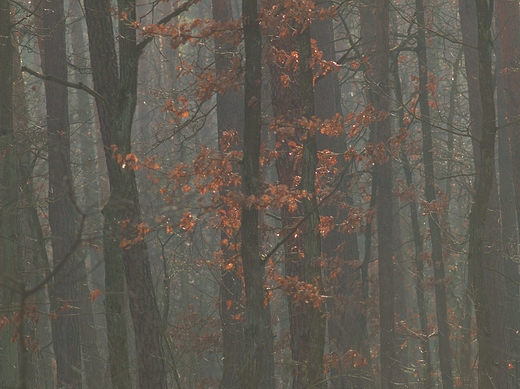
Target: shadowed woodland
(265,194)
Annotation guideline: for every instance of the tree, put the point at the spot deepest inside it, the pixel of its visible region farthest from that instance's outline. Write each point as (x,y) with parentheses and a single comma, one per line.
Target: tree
(477,217)
(474,34)
(433,217)
(313,369)
(385,212)
(229,118)
(62,211)
(9,195)
(124,246)
(257,331)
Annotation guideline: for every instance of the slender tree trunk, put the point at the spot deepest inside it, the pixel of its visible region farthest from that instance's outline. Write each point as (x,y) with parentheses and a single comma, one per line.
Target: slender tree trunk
(229,118)
(385,212)
(62,212)
(484,184)
(286,103)
(471,28)
(427,372)
(339,246)
(433,217)
(312,247)
(9,352)
(92,362)
(508,217)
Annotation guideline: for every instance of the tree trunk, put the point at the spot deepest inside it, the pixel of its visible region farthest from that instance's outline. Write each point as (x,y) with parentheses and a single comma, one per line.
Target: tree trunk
(427,372)
(508,215)
(116,107)
(62,211)
(92,362)
(286,103)
(509,27)
(339,246)
(229,118)
(385,212)
(312,249)
(433,217)
(9,352)
(491,229)
(477,217)
(257,371)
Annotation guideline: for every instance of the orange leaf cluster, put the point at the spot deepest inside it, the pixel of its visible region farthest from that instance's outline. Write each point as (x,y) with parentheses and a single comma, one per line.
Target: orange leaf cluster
(301,291)
(133,234)
(350,360)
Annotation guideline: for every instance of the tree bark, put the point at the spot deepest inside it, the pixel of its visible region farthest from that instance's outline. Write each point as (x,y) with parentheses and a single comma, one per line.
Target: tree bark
(340,247)
(116,107)
(509,28)
(433,217)
(287,106)
(427,372)
(229,117)
(92,362)
(312,249)
(385,212)
(508,13)
(258,339)
(62,211)
(470,24)
(477,217)
(9,353)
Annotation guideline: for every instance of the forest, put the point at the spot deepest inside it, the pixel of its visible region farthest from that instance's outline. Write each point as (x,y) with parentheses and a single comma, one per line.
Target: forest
(265,194)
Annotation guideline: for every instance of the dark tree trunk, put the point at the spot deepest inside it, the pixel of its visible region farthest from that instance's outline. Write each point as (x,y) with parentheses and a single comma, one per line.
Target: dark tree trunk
(487,377)
(491,229)
(286,103)
(92,362)
(105,74)
(314,377)
(509,27)
(433,217)
(62,212)
(427,372)
(116,106)
(385,212)
(507,210)
(258,368)
(339,246)
(9,253)
(229,118)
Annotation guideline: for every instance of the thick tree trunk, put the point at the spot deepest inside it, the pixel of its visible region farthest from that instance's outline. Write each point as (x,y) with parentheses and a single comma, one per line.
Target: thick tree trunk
(339,246)
(105,74)
(257,371)
(116,107)
(508,96)
(62,212)
(433,217)
(509,27)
